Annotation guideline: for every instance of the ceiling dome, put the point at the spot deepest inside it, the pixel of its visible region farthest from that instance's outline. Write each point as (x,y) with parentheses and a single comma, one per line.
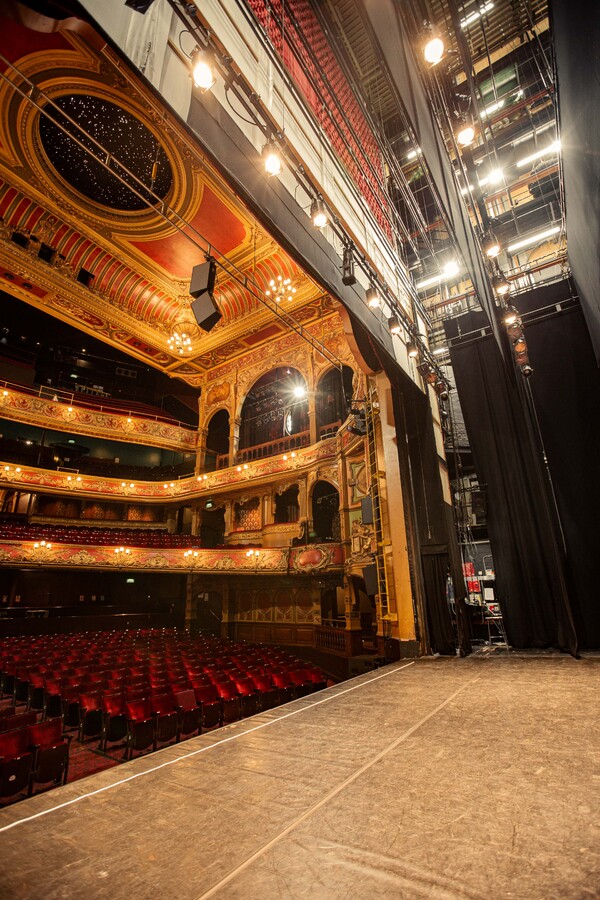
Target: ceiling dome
(130,143)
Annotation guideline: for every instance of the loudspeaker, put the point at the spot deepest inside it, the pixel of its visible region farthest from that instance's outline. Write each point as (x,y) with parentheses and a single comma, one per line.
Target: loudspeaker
(370,576)
(366,511)
(203,278)
(204,308)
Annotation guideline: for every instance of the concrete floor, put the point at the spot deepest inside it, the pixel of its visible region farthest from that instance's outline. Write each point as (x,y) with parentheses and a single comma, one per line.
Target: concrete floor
(441,778)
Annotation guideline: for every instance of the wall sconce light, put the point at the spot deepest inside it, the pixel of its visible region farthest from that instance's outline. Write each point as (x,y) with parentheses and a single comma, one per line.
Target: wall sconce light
(394,325)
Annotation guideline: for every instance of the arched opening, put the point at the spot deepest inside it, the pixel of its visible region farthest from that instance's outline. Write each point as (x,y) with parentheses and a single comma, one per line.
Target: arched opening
(326,512)
(332,400)
(217,442)
(274,415)
(287,508)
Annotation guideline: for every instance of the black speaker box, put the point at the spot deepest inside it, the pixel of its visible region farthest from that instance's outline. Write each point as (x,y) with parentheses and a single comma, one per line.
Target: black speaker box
(370,576)
(206,312)
(366,510)
(203,278)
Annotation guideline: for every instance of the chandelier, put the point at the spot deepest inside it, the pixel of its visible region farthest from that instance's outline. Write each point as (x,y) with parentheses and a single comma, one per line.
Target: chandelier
(180,339)
(280,289)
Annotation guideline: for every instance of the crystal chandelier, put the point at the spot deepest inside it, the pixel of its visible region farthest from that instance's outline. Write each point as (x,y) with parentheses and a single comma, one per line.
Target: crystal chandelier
(180,340)
(280,289)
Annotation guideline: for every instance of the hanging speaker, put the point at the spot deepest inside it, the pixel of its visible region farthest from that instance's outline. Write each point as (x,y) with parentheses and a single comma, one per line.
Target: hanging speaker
(205,310)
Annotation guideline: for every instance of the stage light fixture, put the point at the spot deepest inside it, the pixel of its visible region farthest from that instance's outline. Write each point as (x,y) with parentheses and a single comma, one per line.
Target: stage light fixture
(466,133)
(203,71)
(511,316)
(373,298)
(491,245)
(318,214)
(526,371)
(348,276)
(520,346)
(272,158)
(394,325)
(433,50)
(500,284)
(412,350)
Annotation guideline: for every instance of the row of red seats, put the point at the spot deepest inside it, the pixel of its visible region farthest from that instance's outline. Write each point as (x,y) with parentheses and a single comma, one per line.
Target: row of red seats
(32,753)
(130,537)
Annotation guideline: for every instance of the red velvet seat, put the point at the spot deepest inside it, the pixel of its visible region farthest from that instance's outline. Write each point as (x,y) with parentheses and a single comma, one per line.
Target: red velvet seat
(19,720)
(90,715)
(301,681)
(269,695)
(231,709)
(189,710)
(114,719)
(285,686)
(210,706)
(16,762)
(167,718)
(50,753)
(249,696)
(141,726)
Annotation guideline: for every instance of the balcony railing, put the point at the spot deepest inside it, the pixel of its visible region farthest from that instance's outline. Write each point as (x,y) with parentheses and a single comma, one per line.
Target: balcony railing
(272,448)
(340,641)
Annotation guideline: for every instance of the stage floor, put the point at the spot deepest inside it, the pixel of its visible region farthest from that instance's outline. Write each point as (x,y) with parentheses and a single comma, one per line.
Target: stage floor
(439,778)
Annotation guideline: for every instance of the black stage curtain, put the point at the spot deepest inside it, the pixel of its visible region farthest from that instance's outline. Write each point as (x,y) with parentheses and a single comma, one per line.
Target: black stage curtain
(523,528)
(435,573)
(565,388)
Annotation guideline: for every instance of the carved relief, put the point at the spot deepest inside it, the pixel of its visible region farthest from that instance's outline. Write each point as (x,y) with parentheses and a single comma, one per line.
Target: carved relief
(218,393)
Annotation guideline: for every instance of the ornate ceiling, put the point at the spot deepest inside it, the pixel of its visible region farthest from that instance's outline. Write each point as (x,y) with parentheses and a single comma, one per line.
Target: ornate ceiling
(112,253)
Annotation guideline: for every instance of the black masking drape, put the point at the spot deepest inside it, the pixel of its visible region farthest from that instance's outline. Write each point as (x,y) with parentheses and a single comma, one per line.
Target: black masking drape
(522,523)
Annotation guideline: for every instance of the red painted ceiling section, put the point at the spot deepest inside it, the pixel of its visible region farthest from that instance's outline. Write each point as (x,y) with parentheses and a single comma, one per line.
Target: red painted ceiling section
(18,41)
(217,225)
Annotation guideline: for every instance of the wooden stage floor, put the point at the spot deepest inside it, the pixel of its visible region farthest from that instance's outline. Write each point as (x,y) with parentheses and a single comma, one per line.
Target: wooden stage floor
(439,778)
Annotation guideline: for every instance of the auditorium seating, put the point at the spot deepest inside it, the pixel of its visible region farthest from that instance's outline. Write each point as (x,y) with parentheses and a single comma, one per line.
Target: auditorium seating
(93,535)
(141,688)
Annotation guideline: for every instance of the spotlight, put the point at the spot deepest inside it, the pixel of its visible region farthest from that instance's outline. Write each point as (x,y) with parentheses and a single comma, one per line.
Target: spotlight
(466,133)
(519,346)
(491,245)
(318,214)
(526,371)
(441,389)
(300,391)
(450,269)
(412,350)
(394,325)
(500,284)
(373,298)
(433,50)
(271,158)
(511,316)
(203,72)
(348,276)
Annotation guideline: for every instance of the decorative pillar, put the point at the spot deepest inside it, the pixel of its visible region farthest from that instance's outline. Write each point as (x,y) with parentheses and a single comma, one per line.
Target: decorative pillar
(312,417)
(228,510)
(234,439)
(201,451)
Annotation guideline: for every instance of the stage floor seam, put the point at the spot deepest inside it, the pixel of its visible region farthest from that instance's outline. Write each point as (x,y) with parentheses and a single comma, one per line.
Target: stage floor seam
(335,791)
